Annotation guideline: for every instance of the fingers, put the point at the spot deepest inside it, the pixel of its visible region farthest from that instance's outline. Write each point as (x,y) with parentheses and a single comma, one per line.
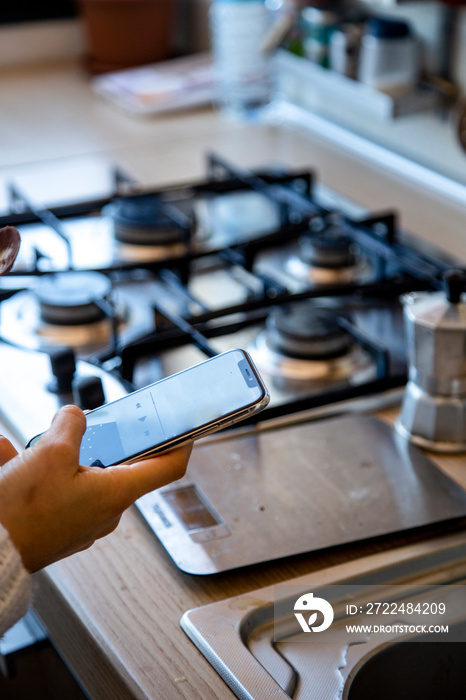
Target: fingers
(141,477)
(7,451)
(67,416)
(67,428)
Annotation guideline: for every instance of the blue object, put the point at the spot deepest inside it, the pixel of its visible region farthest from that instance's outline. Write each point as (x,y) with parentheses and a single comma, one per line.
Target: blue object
(387,28)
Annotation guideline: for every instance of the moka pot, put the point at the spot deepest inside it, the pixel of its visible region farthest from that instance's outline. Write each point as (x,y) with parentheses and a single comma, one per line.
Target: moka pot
(433,413)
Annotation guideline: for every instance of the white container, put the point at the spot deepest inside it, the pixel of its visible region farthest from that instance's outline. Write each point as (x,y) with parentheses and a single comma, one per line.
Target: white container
(389,57)
(241,67)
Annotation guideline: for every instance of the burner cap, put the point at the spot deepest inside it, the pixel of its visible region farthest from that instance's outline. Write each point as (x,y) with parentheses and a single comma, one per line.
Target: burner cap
(71,298)
(141,220)
(331,249)
(305,331)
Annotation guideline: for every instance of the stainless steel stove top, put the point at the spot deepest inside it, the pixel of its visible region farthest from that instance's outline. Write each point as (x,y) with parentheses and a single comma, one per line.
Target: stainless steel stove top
(269,261)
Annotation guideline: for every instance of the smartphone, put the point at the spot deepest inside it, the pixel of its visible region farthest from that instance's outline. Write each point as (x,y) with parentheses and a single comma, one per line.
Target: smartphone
(190,404)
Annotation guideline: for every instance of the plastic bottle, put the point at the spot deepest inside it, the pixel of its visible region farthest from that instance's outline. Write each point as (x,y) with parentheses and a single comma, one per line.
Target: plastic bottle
(389,57)
(242,68)
(318,26)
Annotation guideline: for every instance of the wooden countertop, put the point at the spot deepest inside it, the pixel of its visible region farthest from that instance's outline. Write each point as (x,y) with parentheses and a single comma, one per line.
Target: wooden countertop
(113,611)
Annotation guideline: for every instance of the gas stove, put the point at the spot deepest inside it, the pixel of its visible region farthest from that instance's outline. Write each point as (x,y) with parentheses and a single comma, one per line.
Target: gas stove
(144,283)
(111,294)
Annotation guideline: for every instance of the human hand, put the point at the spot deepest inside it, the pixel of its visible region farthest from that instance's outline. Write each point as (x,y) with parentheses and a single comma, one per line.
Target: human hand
(52,506)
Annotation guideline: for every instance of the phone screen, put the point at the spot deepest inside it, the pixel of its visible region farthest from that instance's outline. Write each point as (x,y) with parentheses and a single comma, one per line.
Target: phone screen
(174,406)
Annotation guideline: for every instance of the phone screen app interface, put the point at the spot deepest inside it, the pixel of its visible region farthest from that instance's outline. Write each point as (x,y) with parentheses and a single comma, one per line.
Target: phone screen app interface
(171,407)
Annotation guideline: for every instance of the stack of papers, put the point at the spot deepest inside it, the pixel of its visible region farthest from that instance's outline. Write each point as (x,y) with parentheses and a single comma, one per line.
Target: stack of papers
(160,87)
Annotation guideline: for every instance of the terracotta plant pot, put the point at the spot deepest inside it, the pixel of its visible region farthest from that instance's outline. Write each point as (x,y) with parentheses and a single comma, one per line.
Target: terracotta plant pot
(125,33)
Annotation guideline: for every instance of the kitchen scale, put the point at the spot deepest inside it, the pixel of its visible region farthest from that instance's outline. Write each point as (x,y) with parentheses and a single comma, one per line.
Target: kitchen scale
(269,494)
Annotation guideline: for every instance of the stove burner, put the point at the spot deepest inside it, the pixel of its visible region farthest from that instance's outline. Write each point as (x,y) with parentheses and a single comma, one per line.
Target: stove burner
(331,250)
(329,257)
(141,221)
(80,310)
(307,332)
(303,349)
(73,298)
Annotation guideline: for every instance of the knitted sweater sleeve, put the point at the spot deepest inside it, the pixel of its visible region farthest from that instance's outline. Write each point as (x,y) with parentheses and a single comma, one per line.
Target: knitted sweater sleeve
(15,584)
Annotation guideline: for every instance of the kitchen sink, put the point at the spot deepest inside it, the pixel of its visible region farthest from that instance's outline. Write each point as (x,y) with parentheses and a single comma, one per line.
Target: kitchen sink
(252,640)
(407,670)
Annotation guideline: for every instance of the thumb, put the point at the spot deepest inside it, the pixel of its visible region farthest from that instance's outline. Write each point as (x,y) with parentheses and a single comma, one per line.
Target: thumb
(67,428)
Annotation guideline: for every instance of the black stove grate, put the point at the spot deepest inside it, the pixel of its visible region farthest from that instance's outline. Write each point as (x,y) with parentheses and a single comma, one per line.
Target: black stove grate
(399,267)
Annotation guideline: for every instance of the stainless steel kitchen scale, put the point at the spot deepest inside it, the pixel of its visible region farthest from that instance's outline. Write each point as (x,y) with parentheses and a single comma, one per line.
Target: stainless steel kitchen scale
(270,494)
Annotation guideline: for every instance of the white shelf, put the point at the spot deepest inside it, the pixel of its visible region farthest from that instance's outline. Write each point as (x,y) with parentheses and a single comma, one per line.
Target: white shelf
(302,81)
